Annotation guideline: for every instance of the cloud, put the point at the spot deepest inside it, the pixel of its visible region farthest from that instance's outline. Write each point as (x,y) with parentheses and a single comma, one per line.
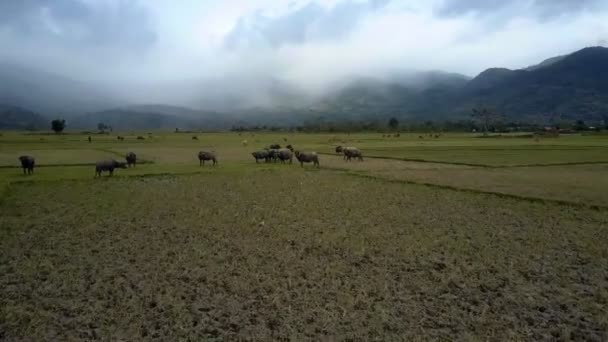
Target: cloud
(75,36)
(103,23)
(543,9)
(311,44)
(311,22)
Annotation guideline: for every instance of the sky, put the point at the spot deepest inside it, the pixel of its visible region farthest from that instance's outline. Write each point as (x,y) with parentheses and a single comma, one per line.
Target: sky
(309,43)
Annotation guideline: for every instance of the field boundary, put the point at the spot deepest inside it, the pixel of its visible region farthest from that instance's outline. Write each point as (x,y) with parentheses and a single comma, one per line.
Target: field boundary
(66,165)
(488,166)
(473,191)
(349,172)
(416,160)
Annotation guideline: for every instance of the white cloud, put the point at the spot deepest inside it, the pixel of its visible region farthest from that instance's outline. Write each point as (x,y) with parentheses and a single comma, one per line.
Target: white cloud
(309,43)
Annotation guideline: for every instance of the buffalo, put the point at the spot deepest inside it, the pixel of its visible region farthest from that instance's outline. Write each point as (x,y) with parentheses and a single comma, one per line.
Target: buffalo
(273,154)
(307,157)
(131,159)
(339,149)
(205,156)
(275,146)
(261,155)
(289,147)
(284,155)
(27,163)
(109,166)
(352,152)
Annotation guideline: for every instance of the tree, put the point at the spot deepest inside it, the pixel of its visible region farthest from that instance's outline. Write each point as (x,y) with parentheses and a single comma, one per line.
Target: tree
(486,117)
(102,127)
(580,125)
(393,123)
(58,125)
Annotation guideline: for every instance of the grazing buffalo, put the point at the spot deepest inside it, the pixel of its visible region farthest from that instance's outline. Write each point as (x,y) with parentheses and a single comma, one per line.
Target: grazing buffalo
(352,152)
(27,164)
(131,159)
(339,149)
(307,157)
(261,155)
(109,166)
(205,156)
(284,155)
(273,154)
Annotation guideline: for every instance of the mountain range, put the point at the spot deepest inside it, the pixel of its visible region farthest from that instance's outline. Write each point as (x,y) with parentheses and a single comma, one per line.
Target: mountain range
(571,87)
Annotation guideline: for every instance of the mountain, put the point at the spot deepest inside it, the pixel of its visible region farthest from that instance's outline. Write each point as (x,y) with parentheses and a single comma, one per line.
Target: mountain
(12,117)
(149,117)
(51,94)
(546,62)
(575,86)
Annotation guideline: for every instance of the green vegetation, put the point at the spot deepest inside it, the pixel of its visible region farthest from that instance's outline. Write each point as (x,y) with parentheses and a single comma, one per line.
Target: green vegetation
(58,125)
(453,237)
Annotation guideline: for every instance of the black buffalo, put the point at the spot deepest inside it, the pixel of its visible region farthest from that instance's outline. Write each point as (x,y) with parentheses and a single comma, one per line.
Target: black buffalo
(131,159)
(109,166)
(27,163)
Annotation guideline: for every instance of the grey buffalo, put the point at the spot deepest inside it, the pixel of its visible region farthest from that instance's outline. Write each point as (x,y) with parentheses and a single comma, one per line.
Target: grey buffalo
(273,154)
(131,159)
(27,164)
(352,152)
(284,155)
(108,166)
(206,156)
(265,155)
(307,157)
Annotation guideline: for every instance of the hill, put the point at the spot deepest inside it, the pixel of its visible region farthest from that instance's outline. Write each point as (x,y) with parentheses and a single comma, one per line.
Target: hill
(51,94)
(574,86)
(17,118)
(144,117)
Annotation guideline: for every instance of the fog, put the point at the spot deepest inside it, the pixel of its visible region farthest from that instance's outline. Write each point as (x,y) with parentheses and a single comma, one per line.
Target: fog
(205,53)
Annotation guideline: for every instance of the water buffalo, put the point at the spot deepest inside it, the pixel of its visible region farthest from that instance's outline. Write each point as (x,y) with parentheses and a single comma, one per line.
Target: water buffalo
(307,157)
(339,149)
(284,155)
(204,156)
(352,152)
(108,165)
(261,155)
(272,154)
(27,163)
(131,159)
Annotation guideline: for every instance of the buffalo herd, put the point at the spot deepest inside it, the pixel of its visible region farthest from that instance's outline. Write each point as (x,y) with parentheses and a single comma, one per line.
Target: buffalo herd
(273,153)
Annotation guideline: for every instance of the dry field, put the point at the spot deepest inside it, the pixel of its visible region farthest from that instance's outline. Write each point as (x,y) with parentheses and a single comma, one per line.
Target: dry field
(351,251)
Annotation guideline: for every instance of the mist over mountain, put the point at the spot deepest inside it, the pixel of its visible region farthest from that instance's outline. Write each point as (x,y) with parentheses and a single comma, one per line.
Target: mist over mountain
(573,86)
(52,94)
(277,62)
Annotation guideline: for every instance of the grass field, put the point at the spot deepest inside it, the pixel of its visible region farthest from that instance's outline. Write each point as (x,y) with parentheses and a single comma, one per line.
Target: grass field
(454,238)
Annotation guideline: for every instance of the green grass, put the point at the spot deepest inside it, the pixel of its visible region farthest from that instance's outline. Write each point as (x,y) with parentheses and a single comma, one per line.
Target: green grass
(172,251)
